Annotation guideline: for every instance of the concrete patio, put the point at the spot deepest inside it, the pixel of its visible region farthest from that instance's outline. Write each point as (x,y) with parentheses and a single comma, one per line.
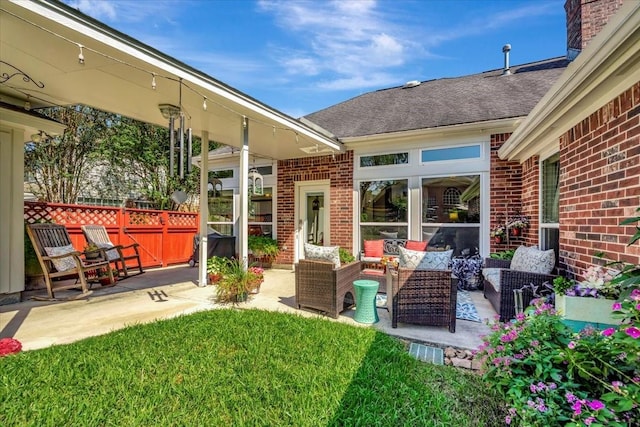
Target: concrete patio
(169,292)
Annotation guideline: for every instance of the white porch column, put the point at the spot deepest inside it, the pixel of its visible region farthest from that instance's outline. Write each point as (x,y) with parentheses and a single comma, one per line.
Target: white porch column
(204,208)
(243,223)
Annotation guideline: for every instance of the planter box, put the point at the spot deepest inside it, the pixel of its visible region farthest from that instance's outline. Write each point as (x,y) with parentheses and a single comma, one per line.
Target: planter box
(580,311)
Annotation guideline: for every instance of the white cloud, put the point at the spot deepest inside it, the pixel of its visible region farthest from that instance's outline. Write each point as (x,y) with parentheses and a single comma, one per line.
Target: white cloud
(99,9)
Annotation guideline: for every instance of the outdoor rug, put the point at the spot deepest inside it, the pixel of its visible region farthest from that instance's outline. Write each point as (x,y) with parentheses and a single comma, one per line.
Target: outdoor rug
(465,309)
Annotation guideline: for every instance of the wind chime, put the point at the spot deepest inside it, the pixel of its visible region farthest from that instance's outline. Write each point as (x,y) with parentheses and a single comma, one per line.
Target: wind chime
(171,113)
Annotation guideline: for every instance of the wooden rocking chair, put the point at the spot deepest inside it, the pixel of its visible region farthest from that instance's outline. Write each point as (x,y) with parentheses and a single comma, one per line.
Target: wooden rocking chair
(118,254)
(59,260)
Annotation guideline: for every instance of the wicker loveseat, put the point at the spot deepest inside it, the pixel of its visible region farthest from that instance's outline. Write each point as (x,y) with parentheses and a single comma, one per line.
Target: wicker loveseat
(501,277)
(322,286)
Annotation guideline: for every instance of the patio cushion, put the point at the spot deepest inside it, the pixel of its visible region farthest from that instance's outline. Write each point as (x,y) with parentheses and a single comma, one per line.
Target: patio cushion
(61,264)
(373,248)
(533,260)
(492,275)
(111,254)
(420,260)
(322,253)
(416,245)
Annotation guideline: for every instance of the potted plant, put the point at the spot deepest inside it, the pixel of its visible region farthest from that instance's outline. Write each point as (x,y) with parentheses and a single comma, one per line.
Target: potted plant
(103,277)
(216,267)
(236,283)
(589,300)
(498,233)
(254,285)
(517,223)
(91,251)
(263,248)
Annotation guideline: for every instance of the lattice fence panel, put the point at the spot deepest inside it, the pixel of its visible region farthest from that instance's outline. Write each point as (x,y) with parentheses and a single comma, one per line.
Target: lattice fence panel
(183,219)
(144,218)
(69,214)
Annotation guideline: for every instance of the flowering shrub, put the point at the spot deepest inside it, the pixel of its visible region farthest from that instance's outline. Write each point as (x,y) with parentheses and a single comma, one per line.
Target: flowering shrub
(519,221)
(550,376)
(258,273)
(9,346)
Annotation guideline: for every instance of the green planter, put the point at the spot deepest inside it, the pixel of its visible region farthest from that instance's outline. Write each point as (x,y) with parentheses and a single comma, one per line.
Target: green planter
(581,311)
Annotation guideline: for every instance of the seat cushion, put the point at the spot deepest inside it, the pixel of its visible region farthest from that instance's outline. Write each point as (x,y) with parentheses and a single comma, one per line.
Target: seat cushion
(374,248)
(61,264)
(416,245)
(533,260)
(322,253)
(492,275)
(112,254)
(420,260)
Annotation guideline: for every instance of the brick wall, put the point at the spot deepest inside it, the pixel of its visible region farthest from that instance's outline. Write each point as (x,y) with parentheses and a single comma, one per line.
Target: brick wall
(339,171)
(505,192)
(531,199)
(600,184)
(585,18)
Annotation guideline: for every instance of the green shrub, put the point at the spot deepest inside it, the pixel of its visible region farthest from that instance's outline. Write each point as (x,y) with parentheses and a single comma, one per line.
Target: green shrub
(345,256)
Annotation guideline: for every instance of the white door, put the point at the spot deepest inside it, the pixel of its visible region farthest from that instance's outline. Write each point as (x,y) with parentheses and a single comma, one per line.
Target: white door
(312,215)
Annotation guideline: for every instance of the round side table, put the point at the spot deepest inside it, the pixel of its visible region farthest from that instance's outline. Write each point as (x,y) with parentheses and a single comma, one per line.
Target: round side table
(366,291)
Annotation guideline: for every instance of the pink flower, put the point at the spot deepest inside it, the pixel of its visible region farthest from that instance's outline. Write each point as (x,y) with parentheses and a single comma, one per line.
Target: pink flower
(596,405)
(589,420)
(507,420)
(577,408)
(571,345)
(635,295)
(633,332)
(9,346)
(608,332)
(616,306)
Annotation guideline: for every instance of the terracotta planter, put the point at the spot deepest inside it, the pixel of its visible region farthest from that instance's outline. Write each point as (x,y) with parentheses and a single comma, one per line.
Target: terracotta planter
(515,231)
(498,239)
(104,281)
(214,278)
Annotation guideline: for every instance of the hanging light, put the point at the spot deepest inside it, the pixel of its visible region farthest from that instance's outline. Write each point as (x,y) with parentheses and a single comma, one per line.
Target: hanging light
(256,182)
(212,187)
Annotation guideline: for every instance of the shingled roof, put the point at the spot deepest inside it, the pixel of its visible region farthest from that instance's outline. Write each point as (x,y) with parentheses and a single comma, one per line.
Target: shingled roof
(443,102)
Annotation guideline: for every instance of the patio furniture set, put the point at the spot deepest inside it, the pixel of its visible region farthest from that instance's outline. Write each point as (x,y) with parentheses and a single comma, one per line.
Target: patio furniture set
(421,288)
(64,267)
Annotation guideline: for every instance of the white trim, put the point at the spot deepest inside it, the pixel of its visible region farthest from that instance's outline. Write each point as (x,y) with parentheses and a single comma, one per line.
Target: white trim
(608,66)
(301,188)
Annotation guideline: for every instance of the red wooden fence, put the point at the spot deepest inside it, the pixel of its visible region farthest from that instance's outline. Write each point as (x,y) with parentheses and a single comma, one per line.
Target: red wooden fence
(165,237)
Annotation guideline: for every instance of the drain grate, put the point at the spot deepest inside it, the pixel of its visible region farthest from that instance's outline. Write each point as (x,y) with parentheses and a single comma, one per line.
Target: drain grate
(427,354)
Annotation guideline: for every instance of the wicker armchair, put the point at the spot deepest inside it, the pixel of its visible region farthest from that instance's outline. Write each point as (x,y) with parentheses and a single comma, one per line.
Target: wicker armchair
(502,299)
(423,297)
(321,286)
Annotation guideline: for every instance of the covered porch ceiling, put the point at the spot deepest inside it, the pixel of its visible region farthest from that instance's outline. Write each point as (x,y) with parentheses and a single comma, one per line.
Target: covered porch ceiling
(40,44)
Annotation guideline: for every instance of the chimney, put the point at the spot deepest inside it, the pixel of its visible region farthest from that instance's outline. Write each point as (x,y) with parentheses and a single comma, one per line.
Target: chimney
(507,69)
(585,19)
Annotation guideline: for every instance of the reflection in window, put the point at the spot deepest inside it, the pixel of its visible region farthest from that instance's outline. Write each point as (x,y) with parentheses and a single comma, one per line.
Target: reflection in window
(384,160)
(261,214)
(383,209)
(221,211)
(549,228)
(451,213)
(451,153)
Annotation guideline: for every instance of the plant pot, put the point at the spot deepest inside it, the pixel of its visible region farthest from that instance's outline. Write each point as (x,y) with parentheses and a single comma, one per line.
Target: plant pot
(255,287)
(241,297)
(594,311)
(515,231)
(214,278)
(498,239)
(104,281)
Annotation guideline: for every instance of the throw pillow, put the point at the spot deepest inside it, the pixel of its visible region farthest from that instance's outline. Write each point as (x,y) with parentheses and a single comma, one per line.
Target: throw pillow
(419,260)
(323,253)
(416,245)
(61,264)
(373,248)
(112,254)
(533,260)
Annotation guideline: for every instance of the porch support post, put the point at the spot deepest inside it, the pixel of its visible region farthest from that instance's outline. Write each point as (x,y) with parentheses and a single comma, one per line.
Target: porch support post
(243,224)
(204,208)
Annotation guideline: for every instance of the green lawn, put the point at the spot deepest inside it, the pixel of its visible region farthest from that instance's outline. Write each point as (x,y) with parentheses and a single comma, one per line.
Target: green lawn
(239,367)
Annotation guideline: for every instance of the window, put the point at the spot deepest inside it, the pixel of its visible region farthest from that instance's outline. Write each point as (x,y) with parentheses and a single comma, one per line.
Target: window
(383,209)
(451,153)
(451,213)
(227,173)
(261,214)
(384,160)
(221,211)
(550,201)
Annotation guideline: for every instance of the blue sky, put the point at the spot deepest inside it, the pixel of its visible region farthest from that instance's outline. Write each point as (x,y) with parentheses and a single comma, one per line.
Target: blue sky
(303,56)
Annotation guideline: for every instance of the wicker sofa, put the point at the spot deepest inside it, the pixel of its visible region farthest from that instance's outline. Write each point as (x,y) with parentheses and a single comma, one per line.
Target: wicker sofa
(322,286)
(500,283)
(423,297)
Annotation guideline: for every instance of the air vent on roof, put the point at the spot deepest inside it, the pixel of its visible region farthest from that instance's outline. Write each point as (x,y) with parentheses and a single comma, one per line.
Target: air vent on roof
(412,83)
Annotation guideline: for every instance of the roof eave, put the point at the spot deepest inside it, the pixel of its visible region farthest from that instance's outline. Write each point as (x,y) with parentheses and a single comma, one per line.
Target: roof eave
(609,65)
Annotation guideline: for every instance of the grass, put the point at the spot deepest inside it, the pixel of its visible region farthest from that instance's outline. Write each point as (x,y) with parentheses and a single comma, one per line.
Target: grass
(239,367)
